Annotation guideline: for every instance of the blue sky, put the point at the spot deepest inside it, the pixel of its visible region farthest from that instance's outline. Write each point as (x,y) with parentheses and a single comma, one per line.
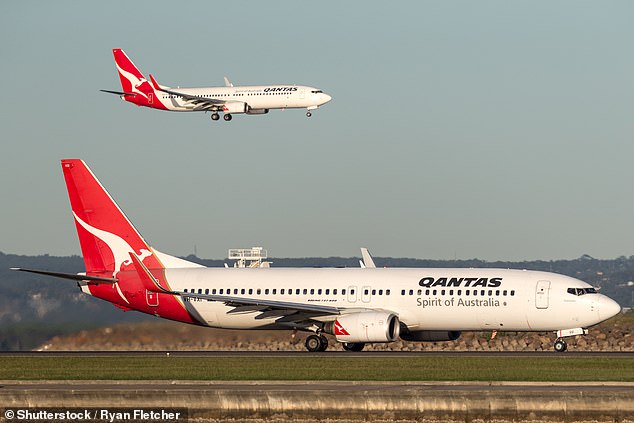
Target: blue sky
(498,130)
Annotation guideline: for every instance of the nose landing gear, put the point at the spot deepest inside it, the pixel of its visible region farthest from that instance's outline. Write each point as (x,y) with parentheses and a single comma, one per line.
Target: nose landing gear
(560,345)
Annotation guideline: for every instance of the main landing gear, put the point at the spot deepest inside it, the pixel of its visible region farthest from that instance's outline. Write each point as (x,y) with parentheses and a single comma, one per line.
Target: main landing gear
(216,116)
(353,346)
(316,343)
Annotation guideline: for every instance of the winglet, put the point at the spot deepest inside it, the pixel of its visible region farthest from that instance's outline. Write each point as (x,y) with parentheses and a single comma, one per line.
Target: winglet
(155,84)
(147,279)
(367,258)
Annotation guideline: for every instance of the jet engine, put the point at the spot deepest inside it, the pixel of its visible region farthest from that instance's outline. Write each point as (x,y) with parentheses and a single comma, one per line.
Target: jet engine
(430,335)
(366,326)
(235,107)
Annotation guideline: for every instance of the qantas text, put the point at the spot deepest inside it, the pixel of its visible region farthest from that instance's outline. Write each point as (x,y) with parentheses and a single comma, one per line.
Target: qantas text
(458,282)
(266,90)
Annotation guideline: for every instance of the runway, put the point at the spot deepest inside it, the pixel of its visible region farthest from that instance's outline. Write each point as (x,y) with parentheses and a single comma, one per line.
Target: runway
(329,354)
(336,401)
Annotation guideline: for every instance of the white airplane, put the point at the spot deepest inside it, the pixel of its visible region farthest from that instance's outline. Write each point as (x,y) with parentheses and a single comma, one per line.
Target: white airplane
(252,100)
(356,305)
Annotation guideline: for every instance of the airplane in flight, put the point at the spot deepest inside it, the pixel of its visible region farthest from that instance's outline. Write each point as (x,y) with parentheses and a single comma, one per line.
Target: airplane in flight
(230,99)
(361,305)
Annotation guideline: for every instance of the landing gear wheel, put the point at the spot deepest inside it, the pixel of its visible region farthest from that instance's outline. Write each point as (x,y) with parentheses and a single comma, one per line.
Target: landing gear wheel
(324,343)
(560,345)
(215,116)
(308,114)
(314,343)
(228,117)
(353,346)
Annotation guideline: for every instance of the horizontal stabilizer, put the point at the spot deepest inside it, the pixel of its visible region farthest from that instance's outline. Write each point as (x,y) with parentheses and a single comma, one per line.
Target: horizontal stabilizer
(72,276)
(118,93)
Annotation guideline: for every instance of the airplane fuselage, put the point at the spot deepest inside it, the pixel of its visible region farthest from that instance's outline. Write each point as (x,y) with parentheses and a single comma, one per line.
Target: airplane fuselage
(261,97)
(425,299)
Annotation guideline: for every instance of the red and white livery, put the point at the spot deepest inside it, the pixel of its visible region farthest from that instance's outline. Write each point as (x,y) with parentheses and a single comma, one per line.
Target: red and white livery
(229,100)
(356,305)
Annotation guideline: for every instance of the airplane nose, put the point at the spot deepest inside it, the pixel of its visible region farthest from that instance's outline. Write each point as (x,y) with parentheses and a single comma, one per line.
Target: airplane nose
(608,308)
(326,98)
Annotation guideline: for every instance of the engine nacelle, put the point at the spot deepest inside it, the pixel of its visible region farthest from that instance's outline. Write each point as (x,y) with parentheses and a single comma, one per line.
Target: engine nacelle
(235,107)
(430,335)
(251,111)
(366,326)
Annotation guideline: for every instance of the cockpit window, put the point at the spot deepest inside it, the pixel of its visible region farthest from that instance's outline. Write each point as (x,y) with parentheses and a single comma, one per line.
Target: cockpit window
(317,91)
(581,291)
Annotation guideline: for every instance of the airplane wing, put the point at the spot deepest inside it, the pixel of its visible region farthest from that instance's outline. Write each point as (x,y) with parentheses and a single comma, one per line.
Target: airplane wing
(201,103)
(241,304)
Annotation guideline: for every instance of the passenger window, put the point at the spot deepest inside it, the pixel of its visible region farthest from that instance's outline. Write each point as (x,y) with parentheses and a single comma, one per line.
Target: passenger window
(328,292)
(460,292)
(334,292)
(387,292)
(312,291)
(305,291)
(250,291)
(435,291)
(402,292)
(442,292)
(319,292)
(419,292)
(200,291)
(259,291)
(451,292)
(274,291)
(512,292)
(374,292)
(380,292)
(411,292)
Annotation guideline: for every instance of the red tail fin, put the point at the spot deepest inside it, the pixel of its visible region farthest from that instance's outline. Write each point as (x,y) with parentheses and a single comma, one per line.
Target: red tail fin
(106,235)
(132,80)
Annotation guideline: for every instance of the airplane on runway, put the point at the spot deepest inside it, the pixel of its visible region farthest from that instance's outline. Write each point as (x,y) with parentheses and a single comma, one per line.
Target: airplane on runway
(230,100)
(356,305)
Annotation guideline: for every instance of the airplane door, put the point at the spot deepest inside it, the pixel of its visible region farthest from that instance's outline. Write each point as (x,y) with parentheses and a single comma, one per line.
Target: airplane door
(352,294)
(542,290)
(150,98)
(365,294)
(151,298)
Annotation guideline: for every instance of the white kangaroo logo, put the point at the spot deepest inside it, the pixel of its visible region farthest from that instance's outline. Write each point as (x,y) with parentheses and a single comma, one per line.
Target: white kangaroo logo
(120,250)
(131,78)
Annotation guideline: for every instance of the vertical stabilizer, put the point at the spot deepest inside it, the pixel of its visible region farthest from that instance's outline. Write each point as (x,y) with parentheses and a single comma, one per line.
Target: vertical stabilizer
(105,234)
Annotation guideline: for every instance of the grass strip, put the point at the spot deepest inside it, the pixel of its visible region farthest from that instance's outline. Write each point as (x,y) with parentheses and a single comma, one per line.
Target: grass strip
(434,368)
